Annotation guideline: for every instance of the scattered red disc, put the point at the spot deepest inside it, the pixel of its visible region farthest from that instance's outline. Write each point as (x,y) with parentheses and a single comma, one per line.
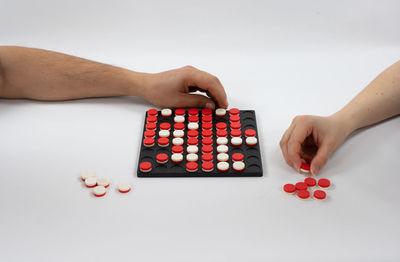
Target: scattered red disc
(222,133)
(207,149)
(191,166)
(145,166)
(206,133)
(193,133)
(206,119)
(236,133)
(305,167)
(152,112)
(192,141)
(234,118)
(177,149)
(319,194)
(207,141)
(149,133)
(234,111)
(193,119)
(289,188)
(179,112)
(301,186)
(207,157)
(163,141)
(151,126)
(237,157)
(206,126)
(250,132)
(148,141)
(310,181)
(303,194)
(165,126)
(162,158)
(206,112)
(323,182)
(207,166)
(193,111)
(179,126)
(151,119)
(220,125)
(236,125)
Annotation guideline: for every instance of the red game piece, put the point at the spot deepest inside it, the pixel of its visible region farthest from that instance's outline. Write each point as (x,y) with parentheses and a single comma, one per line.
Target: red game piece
(193,111)
(303,194)
(206,112)
(207,149)
(145,166)
(207,141)
(206,119)
(323,182)
(220,126)
(207,157)
(237,157)
(191,166)
(235,125)
(162,158)
(165,126)
(177,149)
(305,168)
(234,118)
(179,126)
(206,133)
(180,112)
(148,142)
(152,112)
(207,166)
(193,133)
(194,119)
(301,186)
(250,133)
(163,141)
(310,181)
(234,111)
(206,126)
(192,141)
(151,119)
(222,133)
(149,133)
(319,194)
(236,133)
(151,126)
(289,188)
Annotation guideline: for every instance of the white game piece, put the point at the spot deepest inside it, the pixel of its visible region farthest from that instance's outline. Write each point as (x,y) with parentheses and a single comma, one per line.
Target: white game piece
(90,182)
(124,187)
(192,149)
(238,166)
(222,149)
(236,141)
(192,157)
(222,166)
(166,112)
(103,182)
(99,191)
(177,141)
(222,141)
(178,133)
(193,126)
(86,174)
(251,141)
(163,133)
(220,112)
(222,157)
(179,119)
(176,158)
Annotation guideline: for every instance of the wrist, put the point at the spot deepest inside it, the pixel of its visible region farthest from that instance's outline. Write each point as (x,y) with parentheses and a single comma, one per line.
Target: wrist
(345,120)
(138,84)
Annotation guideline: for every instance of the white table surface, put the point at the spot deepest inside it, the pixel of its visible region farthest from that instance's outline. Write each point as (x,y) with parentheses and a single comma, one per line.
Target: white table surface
(46,214)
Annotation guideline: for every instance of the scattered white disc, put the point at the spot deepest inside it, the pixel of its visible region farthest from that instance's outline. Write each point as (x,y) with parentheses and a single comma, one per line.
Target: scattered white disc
(103,182)
(223,166)
(163,133)
(222,157)
(178,133)
(124,187)
(176,158)
(179,119)
(222,149)
(177,141)
(86,174)
(251,141)
(90,181)
(193,126)
(238,166)
(236,141)
(99,191)
(220,112)
(192,157)
(192,149)
(222,141)
(166,112)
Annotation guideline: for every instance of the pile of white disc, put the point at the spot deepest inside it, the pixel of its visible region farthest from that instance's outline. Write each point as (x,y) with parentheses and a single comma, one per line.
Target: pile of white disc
(100,185)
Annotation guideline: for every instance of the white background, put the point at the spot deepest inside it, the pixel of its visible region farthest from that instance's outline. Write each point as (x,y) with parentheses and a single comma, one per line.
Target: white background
(284,57)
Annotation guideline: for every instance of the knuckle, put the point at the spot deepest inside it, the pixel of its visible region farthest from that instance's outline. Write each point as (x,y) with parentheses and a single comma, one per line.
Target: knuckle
(189,68)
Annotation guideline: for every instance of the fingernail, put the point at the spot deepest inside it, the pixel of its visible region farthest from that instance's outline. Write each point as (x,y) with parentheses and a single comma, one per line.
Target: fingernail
(210,105)
(296,167)
(315,169)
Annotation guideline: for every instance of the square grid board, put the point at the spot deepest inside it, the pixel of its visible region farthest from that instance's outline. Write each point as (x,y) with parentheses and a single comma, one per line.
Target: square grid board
(252,155)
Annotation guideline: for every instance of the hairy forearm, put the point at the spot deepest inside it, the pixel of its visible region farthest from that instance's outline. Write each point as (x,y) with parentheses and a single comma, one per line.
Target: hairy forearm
(45,75)
(378,101)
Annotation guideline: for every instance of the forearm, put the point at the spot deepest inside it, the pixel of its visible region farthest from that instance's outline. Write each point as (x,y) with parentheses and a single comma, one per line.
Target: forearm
(45,75)
(378,101)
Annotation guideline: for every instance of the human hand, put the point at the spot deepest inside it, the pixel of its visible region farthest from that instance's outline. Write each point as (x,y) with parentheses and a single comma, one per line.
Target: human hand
(313,139)
(173,89)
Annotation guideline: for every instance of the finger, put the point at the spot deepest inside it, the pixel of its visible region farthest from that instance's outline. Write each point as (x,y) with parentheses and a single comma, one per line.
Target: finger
(299,133)
(324,151)
(194,100)
(284,141)
(208,83)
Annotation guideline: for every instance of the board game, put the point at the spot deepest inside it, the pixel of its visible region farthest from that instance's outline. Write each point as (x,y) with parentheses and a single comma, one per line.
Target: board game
(200,143)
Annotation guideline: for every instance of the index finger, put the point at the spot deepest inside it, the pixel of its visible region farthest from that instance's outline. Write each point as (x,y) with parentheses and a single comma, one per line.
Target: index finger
(299,134)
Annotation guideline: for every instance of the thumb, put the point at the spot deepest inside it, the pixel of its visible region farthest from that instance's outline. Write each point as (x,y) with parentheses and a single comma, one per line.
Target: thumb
(320,159)
(194,100)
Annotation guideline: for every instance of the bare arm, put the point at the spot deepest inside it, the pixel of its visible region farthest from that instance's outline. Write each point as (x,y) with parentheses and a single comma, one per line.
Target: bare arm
(45,75)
